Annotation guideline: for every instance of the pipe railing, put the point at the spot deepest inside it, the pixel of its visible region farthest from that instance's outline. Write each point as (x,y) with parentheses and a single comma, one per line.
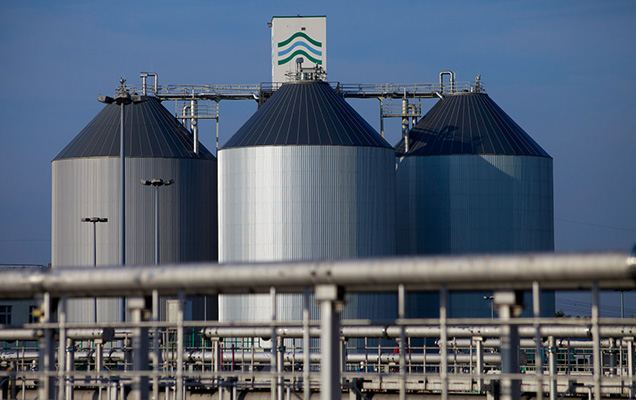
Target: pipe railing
(492,272)
(330,280)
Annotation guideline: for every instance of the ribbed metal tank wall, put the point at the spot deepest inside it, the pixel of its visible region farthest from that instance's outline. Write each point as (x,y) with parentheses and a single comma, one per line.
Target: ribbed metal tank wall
(305,178)
(472,181)
(474,204)
(279,203)
(86,183)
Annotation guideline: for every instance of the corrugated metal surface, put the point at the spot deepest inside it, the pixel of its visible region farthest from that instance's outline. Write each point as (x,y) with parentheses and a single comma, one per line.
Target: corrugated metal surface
(303,203)
(89,187)
(151,131)
(468,123)
(475,204)
(306,113)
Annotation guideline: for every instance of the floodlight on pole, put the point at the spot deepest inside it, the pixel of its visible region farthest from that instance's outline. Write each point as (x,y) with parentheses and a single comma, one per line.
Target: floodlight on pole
(122,98)
(492,309)
(157,183)
(94,221)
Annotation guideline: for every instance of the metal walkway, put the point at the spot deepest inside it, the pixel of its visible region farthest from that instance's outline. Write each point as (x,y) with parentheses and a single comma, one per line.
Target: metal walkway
(397,100)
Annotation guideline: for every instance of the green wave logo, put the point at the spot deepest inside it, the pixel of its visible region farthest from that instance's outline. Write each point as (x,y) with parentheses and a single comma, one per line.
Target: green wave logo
(300,39)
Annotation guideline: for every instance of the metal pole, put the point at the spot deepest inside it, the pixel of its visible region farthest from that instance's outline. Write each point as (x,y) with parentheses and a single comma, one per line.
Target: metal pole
(70,366)
(272,294)
(596,342)
(306,347)
(329,296)
(552,360)
(538,354)
(443,298)
(506,302)
(46,385)
(140,349)
(122,201)
(155,344)
(179,386)
(61,354)
(402,316)
(95,266)
(157,225)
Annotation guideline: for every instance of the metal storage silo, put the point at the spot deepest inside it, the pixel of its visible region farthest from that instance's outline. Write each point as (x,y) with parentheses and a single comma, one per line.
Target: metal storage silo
(305,178)
(86,183)
(470,180)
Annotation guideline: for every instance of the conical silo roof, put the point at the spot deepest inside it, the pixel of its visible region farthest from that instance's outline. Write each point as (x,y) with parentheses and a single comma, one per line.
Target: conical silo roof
(306,113)
(468,123)
(151,131)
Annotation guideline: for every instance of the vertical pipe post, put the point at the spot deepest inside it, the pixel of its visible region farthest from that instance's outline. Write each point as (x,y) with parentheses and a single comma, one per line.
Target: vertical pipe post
(99,360)
(507,301)
(179,385)
(279,366)
(157,225)
(443,372)
(70,367)
(46,385)
(330,298)
(61,356)
(306,347)
(140,348)
(95,266)
(538,353)
(273,358)
(480,362)
(552,360)
(630,364)
(402,316)
(596,342)
(155,344)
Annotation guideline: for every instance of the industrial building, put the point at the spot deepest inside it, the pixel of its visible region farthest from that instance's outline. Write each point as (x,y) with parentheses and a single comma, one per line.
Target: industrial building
(86,184)
(472,181)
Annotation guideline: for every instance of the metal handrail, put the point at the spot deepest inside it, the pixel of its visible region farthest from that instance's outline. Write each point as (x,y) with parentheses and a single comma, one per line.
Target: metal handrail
(553,271)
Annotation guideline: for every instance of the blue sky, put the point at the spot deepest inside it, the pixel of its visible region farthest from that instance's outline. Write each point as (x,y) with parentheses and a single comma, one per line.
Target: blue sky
(562,70)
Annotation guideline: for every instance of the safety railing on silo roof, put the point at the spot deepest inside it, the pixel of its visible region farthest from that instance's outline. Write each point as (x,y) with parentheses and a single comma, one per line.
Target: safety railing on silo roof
(443,354)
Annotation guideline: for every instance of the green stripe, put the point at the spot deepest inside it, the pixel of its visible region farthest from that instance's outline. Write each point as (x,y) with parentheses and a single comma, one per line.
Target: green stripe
(299,34)
(300,52)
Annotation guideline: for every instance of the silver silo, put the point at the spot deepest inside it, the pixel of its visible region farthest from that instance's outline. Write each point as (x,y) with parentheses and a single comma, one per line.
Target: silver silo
(473,181)
(86,183)
(305,178)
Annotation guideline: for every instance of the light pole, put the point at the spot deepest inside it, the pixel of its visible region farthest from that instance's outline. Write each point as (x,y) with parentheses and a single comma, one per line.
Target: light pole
(157,183)
(492,310)
(122,98)
(94,221)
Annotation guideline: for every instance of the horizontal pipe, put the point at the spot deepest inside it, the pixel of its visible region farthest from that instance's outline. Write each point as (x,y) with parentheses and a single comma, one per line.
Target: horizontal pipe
(393,331)
(465,343)
(106,334)
(198,356)
(483,272)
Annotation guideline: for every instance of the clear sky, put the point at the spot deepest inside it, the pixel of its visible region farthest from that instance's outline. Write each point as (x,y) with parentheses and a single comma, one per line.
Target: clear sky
(564,71)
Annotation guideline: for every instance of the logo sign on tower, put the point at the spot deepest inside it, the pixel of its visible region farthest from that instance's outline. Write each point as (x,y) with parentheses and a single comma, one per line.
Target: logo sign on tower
(294,37)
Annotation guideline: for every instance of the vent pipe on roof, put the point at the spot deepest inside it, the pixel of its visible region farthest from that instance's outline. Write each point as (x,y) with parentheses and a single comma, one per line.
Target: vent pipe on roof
(451,76)
(193,125)
(143,76)
(405,123)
